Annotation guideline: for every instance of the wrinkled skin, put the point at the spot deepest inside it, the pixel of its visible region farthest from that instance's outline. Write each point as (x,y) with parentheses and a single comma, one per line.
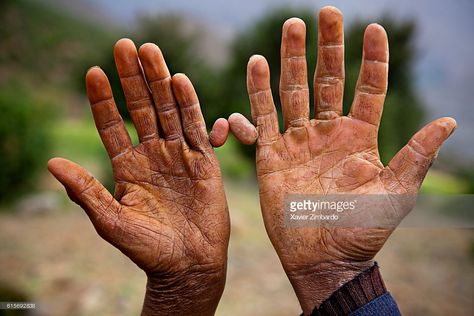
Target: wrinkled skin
(329,154)
(169,214)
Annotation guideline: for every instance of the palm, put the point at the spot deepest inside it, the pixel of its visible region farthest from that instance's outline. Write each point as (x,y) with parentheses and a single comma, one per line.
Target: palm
(332,160)
(171,207)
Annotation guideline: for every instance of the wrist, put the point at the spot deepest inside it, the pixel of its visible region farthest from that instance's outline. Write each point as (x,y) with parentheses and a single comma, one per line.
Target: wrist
(365,294)
(314,284)
(187,293)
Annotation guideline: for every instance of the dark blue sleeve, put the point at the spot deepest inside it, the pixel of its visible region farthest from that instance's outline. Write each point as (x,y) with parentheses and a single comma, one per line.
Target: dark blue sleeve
(383,305)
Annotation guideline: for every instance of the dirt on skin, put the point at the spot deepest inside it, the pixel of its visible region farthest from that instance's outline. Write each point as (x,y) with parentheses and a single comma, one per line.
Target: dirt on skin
(59,262)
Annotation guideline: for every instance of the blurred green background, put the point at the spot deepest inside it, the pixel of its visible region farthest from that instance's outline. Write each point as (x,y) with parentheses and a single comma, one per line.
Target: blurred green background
(45,53)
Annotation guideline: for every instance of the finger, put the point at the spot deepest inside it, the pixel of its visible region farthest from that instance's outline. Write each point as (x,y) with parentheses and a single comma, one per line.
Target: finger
(107,119)
(135,89)
(329,75)
(193,122)
(373,77)
(242,129)
(294,93)
(263,110)
(85,190)
(411,163)
(159,80)
(219,132)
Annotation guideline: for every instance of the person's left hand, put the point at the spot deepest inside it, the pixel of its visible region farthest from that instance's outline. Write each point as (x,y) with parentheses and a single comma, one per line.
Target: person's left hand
(169,214)
(330,155)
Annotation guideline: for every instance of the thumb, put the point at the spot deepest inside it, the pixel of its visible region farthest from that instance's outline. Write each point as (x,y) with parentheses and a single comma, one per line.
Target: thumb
(411,163)
(88,192)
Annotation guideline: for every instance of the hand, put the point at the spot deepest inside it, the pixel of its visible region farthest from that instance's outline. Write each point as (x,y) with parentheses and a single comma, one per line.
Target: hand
(330,154)
(169,214)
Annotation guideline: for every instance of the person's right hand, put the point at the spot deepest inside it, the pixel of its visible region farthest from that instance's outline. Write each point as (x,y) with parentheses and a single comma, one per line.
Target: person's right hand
(169,214)
(329,154)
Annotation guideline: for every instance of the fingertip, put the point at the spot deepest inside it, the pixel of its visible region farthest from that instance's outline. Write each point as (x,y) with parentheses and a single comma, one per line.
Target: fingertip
(294,20)
(295,28)
(235,116)
(219,132)
(179,76)
(429,139)
(331,25)
(294,37)
(54,164)
(448,124)
(259,72)
(123,44)
(126,58)
(242,129)
(221,123)
(255,59)
(149,50)
(61,169)
(94,73)
(330,10)
(375,43)
(97,85)
(153,62)
(377,28)
(180,82)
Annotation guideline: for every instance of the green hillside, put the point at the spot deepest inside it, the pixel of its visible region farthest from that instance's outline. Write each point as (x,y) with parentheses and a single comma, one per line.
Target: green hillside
(42,45)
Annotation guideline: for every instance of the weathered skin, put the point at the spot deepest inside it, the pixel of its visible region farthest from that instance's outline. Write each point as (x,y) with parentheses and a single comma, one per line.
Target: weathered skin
(169,214)
(240,126)
(219,133)
(330,153)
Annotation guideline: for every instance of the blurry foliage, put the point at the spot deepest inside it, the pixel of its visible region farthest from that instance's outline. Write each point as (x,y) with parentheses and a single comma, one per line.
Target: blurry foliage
(80,141)
(40,47)
(42,44)
(403,110)
(24,139)
(444,183)
(467,176)
(232,162)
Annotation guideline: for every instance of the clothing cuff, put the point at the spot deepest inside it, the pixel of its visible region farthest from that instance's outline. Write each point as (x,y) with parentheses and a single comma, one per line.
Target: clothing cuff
(353,295)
